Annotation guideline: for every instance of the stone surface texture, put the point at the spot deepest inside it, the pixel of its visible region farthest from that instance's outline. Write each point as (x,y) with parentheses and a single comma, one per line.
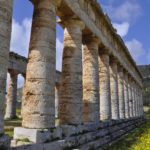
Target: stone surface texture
(126,95)
(90,81)
(121,92)
(70,109)
(5,32)
(114,89)
(11,96)
(98,96)
(39,94)
(104,80)
(130,98)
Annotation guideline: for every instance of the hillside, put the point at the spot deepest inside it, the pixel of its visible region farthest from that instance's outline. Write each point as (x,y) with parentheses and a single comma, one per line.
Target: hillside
(145,70)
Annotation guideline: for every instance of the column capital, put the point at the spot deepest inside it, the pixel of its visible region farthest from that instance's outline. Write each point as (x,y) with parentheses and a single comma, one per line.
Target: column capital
(44,3)
(91,39)
(71,22)
(103,50)
(113,60)
(120,68)
(13,72)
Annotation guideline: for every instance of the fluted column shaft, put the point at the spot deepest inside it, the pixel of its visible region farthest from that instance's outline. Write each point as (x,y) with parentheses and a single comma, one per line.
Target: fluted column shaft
(57,89)
(130,98)
(70,109)
(5,35)
(126,95)
(39,93)
(121,93)
(11,96)
(134,99)
(138,97)
(137,101)
(90,81)
(141,104)
(114,89)
(104,83)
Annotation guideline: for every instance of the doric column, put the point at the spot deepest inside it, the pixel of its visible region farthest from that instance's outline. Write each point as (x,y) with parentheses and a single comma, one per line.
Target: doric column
(141,103)
(11,96)
(114,88)
(133,97)
(90,80)
(137,101)
(104,83)
(5,35)
(126,95)
(130,97)
(138,98)
(70,109)
(57,88)
(39,93)
(121,92)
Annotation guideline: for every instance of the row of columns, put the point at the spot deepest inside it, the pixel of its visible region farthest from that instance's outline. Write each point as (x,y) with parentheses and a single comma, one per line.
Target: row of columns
(93,85)
(11,97)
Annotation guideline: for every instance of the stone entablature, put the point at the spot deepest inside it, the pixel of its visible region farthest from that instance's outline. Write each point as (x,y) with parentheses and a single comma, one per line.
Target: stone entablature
(18,63)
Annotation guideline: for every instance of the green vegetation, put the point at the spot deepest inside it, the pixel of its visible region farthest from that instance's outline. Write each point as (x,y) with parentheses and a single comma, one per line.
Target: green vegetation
(138,139)
(10,124)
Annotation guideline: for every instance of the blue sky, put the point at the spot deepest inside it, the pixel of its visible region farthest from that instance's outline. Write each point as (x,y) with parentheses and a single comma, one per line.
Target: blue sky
(129,17)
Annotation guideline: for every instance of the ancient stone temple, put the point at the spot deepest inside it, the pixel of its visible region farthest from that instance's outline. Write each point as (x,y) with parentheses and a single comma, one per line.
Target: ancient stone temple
(99,91)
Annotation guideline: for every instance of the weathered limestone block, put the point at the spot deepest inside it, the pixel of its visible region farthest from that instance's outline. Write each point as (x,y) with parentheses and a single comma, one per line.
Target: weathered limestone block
(104,83)
(37,135)
(114,89)
(39,94)
(70,108)
(6,7)
(130,97)
(126,95)
(90,80)
(11,96)
(121,92)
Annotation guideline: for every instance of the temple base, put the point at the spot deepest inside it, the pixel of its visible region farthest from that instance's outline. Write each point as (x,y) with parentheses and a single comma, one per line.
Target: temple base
(82,136)
(37,136)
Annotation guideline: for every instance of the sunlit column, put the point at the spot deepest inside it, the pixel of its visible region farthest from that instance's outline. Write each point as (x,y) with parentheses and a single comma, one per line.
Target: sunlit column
(90,80)
(114,88)
(70,106)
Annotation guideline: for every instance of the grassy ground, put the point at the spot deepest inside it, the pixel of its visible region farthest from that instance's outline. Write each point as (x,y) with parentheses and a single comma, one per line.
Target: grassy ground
(10,124)
(138,139)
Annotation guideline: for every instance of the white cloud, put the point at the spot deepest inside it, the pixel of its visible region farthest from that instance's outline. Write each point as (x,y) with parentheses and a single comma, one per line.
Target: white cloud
(59,51)
(137,51)
(20,36)
(122,29)
(128,11)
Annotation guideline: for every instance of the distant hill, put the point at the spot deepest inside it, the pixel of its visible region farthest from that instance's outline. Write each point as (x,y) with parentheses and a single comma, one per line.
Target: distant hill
(145,71)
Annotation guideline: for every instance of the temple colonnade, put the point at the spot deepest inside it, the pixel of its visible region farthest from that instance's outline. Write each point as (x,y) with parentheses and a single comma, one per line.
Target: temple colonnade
(99,79)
